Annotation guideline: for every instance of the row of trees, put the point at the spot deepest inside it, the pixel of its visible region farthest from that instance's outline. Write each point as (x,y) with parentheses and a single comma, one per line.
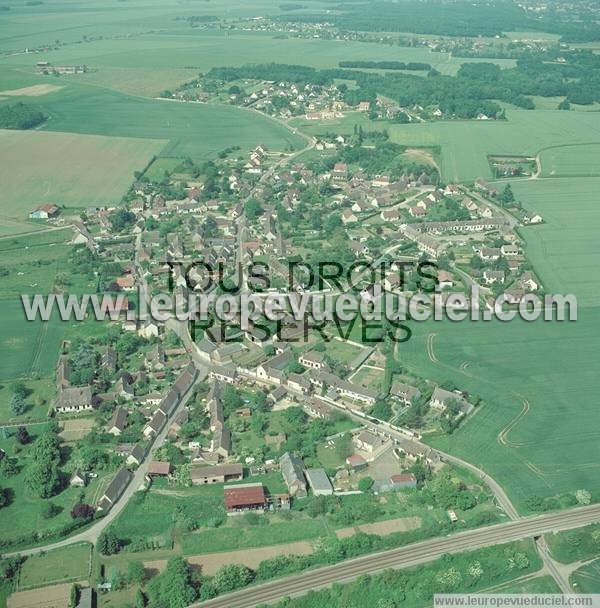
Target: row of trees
(43,476)
(386,65)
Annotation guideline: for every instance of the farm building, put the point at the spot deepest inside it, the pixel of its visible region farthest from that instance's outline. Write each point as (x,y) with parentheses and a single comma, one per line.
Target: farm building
(136,455)
(78,479)
(356,462)
(245,497)
(319,482)
(395,483)
(159,469)
(156,424)
(44,212)
(220,473)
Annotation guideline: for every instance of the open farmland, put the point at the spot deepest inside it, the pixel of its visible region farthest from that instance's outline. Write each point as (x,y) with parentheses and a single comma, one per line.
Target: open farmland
(538,432)
(31,264)
(524,133)
(565,249)
(67,169)
(196,130)
(538,382)
(571,161)
(27,347)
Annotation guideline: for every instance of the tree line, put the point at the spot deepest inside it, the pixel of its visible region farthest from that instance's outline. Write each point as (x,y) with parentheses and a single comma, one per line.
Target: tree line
(386,65)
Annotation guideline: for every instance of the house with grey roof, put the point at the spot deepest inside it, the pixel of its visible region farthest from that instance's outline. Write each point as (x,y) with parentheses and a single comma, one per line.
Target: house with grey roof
(136,455)
(155,425)
(114,490)
(292,470)
(404,392)
(117,423)
(74,399)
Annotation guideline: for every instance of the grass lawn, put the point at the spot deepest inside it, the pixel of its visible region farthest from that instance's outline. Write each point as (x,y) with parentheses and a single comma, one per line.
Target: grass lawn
(237,535)
(328,457)
(575,545)
(537,584)
(24,513)
(42,391)
(68,169)
(65,564)
(587,578)
(342,351)
(369,378)
(156,171)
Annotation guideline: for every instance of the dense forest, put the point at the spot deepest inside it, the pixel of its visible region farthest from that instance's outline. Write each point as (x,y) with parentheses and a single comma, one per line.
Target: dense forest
(20,116)
(475,89)
(579,24)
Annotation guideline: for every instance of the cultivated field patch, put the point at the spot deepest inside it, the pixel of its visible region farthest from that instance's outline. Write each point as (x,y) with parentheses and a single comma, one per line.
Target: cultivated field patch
(52,596)
(382,528)
(524,133)
(67,169)
(78,428)
(211,562)
(36,90)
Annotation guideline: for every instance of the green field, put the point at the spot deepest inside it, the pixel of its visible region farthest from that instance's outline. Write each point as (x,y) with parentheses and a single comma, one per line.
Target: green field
(70,563)
(538,432)
(31,263)
(238,537)
(565,249)
(67,169)
(571,161)
(28,347)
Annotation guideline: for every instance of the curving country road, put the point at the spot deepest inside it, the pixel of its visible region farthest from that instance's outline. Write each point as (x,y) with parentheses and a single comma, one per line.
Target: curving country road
(403,557)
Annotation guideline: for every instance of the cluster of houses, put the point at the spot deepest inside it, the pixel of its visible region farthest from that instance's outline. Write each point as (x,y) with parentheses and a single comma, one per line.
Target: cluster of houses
(318,379)
(158,408)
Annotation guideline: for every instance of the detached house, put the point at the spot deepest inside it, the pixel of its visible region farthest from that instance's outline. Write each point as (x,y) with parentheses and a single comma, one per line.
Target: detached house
(441,398)
(115,490)
(313,360)
(117,423)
